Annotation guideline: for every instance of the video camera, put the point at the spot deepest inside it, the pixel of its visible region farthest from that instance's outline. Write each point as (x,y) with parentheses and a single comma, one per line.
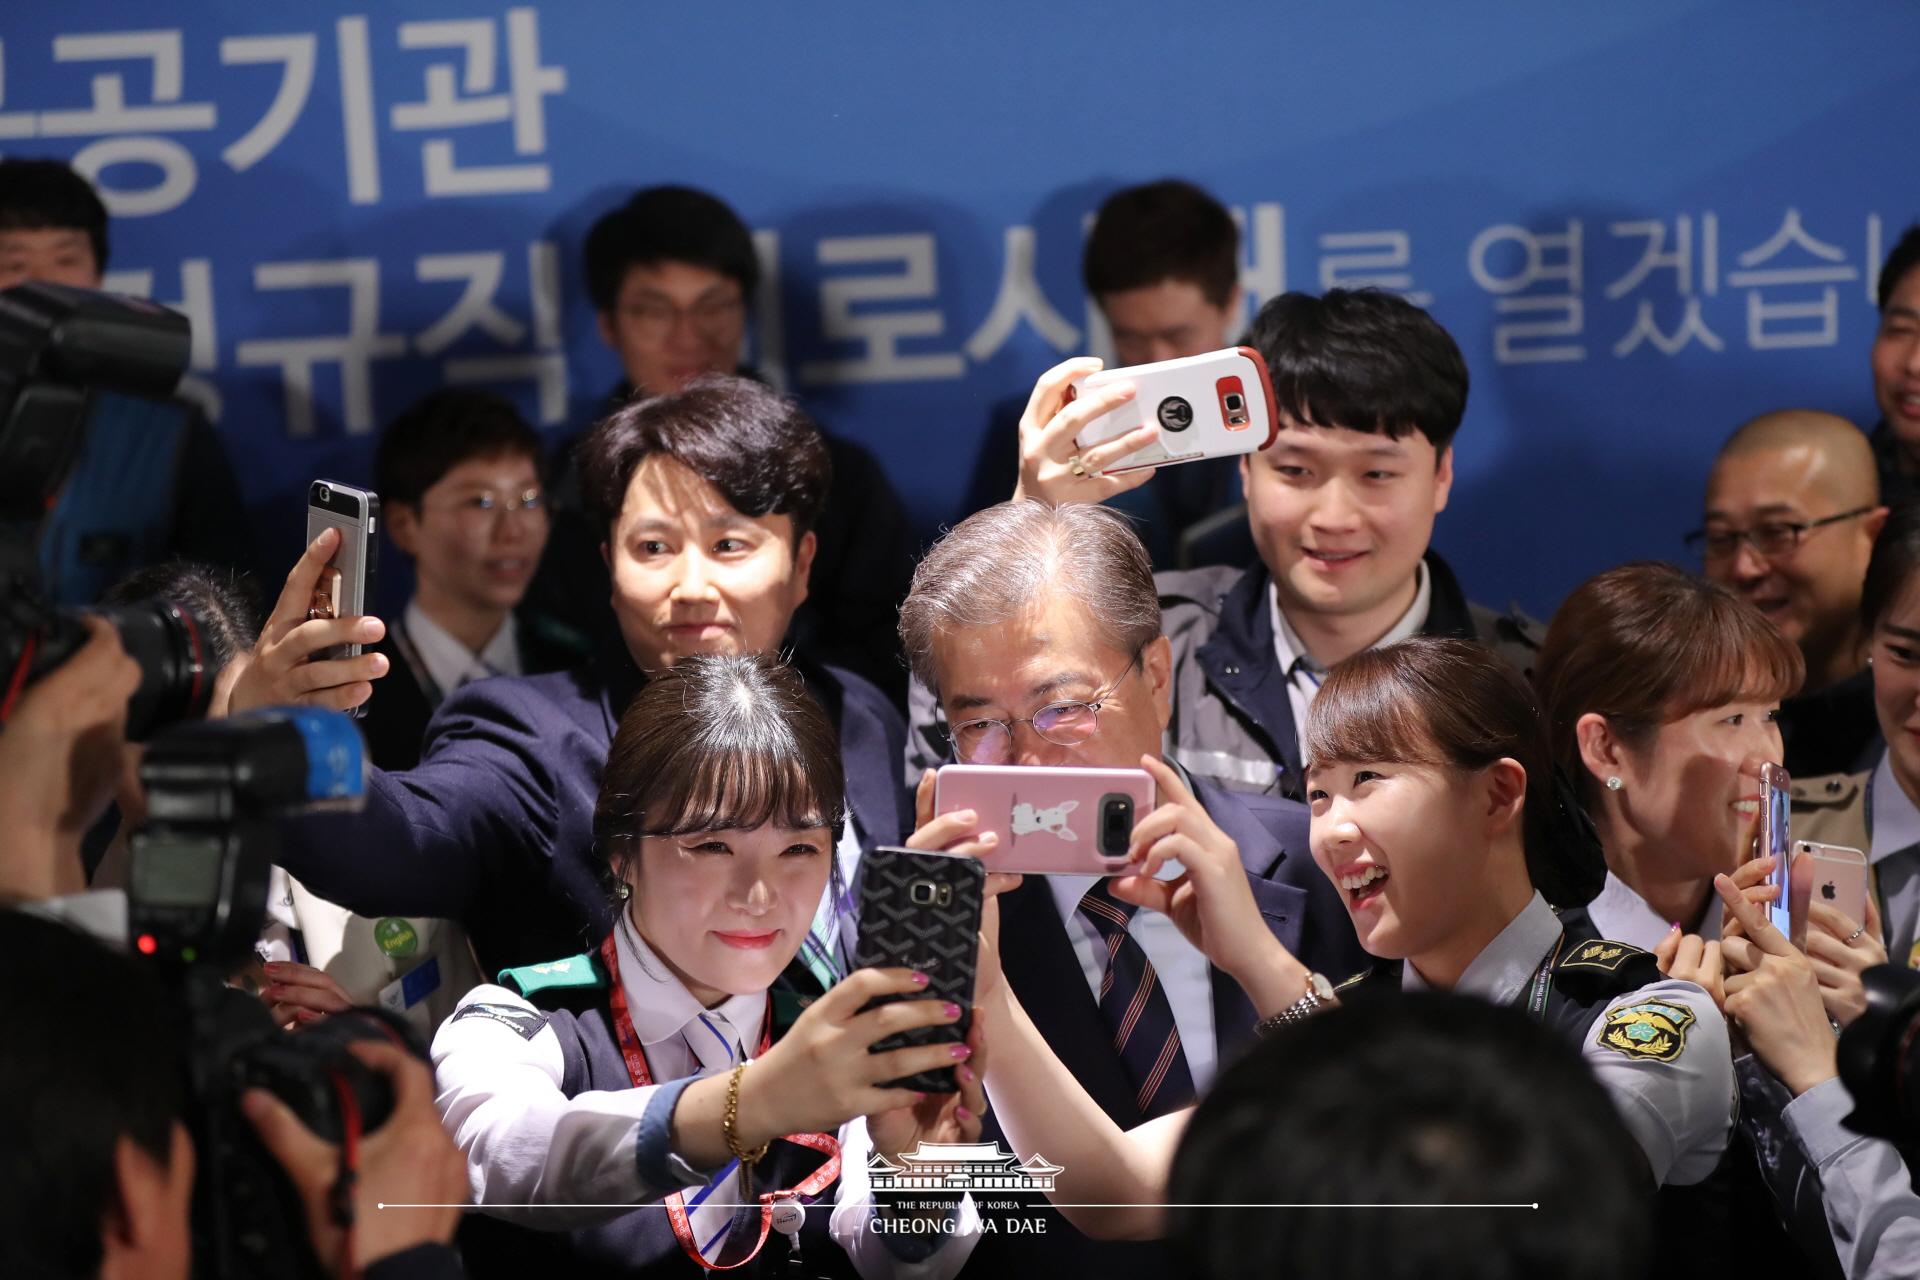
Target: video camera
(196,904)
(1877,1062)
(58,345)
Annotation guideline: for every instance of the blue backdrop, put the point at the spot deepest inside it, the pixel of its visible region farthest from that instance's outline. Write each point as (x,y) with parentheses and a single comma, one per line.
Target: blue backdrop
(1644,222)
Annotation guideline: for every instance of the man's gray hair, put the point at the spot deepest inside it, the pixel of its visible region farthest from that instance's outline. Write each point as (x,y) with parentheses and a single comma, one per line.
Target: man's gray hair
(998,563)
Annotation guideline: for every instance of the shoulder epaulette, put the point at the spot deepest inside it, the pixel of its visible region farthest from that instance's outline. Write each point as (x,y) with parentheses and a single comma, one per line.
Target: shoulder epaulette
(1601,953)
(581,972)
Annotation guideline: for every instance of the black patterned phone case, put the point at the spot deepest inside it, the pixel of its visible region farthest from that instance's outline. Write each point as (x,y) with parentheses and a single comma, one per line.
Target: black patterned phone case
(921,911)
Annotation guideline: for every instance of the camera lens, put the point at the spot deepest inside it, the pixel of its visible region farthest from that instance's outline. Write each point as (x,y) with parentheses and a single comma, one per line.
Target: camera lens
(169,644)
(324,494)
(1175,414)
(1234,402)
(1116,825)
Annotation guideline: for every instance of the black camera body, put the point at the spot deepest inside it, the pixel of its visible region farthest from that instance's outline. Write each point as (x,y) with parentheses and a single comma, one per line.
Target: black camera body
(1877,1059)
(58,345)
(196,903)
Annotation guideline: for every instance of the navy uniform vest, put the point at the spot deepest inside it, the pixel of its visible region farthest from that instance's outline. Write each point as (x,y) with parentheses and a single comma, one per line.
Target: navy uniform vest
(641,1243)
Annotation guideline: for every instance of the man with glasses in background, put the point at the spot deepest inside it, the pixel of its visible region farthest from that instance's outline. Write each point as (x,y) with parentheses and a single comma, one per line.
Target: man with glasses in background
(460,478)
(1037,630)
(1792,509)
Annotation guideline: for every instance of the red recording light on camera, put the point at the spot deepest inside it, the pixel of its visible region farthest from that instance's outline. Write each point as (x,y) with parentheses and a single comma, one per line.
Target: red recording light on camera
(146,944)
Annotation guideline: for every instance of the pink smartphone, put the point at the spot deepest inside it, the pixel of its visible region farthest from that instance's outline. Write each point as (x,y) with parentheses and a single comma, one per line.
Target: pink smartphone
(1829,873)
(1215,405)
(1050,821)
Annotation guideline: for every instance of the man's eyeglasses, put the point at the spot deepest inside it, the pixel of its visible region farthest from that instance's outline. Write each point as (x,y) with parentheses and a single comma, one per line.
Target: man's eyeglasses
(487,506)
(1770,538)
(1065,724)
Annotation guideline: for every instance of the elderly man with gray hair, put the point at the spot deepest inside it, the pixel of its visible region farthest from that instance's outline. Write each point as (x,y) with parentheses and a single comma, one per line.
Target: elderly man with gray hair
(1036,631)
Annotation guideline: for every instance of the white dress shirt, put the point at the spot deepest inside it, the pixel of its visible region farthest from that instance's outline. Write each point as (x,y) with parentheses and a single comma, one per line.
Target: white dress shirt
(1304,675)
(450,663)
(1895,853)
(1622,915)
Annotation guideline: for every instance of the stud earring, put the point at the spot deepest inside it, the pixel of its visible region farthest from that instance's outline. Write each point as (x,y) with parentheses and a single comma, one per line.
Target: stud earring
(1613,784)
(625,891)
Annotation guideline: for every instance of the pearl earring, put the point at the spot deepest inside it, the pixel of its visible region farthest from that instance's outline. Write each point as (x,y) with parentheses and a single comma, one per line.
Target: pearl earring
(1613,784)
(624,891)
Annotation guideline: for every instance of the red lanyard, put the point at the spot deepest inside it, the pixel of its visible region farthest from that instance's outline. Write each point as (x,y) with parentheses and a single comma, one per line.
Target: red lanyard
(814,1183)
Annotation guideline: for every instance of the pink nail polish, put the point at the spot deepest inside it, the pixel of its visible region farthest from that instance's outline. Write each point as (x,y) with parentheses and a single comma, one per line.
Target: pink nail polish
(966,1074)
(963,1113)
(952,1009)
(920,979)
(961,1052)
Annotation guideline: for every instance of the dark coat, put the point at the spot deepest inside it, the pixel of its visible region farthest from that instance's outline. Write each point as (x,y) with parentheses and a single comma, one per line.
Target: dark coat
(404,700)
(494,829)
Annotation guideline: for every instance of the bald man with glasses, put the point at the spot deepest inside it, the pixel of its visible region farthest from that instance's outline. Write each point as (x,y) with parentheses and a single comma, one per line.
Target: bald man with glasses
(1792,510)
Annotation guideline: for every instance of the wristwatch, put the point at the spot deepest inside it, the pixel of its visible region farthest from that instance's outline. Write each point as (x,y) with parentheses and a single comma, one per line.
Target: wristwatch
(1318,995)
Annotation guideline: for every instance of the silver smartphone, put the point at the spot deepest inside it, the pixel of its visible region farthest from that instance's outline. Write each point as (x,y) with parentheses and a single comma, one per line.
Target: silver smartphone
(345,589)
(1775,797)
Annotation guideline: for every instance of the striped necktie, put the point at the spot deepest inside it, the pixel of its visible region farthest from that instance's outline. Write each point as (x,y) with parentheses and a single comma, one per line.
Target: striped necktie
(712,1211)
(1137,1011)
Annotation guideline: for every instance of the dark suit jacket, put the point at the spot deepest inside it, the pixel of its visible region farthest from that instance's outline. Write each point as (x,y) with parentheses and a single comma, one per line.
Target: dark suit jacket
(395,725)
(494,829)
(1301,907)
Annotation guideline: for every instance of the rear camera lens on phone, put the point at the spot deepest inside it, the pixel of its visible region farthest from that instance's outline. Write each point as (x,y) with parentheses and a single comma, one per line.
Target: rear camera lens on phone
(1235,403)
(326,494)
(1116,825)
(1175,414)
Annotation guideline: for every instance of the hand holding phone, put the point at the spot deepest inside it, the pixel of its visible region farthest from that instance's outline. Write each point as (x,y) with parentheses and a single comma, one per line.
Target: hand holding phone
(1053,466)
(921,911)
(1050,821)
(1217,405)
(290,663)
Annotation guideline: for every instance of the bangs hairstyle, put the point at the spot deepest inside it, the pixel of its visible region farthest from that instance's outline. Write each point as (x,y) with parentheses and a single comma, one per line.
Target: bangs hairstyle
(764,455)
(1450,703)
(1365,360)
(718,742)
(1647,644)
(1894,563)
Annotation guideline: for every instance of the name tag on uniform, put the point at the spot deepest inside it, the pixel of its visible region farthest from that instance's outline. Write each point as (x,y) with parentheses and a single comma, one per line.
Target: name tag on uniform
(415,985)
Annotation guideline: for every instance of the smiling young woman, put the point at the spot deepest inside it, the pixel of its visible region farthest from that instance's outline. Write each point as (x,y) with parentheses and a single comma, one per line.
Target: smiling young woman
(1436,813)
(656,1067)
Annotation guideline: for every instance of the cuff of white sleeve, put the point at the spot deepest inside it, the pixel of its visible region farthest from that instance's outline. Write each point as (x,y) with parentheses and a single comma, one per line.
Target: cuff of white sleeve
(659,1167)
(1815,1119)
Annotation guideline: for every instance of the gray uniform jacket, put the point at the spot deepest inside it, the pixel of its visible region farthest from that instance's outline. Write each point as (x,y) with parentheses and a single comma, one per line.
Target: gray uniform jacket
(1231,718)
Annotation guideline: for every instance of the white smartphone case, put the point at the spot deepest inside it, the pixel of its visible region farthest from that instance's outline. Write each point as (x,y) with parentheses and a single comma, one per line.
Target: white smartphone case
(1217,405)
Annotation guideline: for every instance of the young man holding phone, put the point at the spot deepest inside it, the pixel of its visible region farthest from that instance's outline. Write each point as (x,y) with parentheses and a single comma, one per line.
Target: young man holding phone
(709,549)
(1370,391)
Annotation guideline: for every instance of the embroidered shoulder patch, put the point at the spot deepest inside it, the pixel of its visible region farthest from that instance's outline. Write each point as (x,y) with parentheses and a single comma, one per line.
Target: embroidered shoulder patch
(526,1022)
(1654,1030)
(1600,954)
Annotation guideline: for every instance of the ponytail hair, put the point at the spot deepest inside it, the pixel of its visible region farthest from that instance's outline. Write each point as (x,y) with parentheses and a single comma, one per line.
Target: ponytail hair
(1453,703)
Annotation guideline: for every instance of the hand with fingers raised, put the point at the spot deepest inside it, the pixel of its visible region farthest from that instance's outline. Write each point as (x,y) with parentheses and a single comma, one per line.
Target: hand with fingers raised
(1053,468)
(1773,997)
(1841,951)
(282,669)
(1210,900)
